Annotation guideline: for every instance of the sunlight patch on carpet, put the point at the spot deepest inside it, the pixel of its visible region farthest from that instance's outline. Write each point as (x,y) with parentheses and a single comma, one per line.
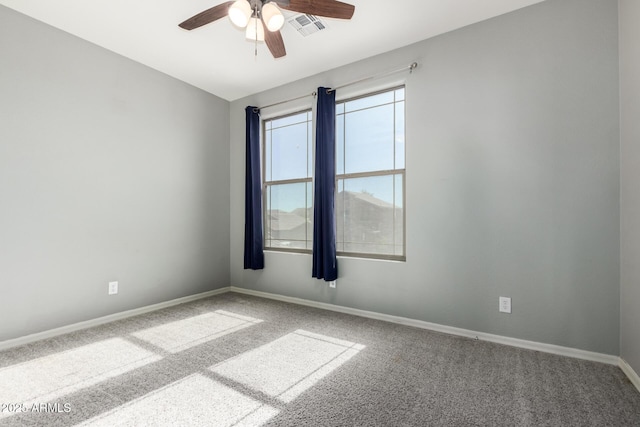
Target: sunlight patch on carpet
(54,376)
(192,401)
(288,366)
(183,334)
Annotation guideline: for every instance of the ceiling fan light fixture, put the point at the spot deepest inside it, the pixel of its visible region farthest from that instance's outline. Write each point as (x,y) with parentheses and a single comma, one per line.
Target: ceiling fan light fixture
(255,30)
(272,17)
(240,12)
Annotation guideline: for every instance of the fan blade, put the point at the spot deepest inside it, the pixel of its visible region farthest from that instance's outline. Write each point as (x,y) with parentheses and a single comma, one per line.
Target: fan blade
(274,42)
(209,15)
(327,8)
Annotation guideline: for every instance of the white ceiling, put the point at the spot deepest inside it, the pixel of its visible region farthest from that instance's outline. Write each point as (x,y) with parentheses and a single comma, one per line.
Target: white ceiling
(218,59)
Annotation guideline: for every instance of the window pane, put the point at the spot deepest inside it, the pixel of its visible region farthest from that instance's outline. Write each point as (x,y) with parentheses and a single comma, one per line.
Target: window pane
(340,144)
(288,150)
(340,196)
(309,215)
(310,156)
(369,101)
(369,139)
(400,94)
(289,120)
(398,216)
(288,215)
(267,155)
(368,212)
(400,135)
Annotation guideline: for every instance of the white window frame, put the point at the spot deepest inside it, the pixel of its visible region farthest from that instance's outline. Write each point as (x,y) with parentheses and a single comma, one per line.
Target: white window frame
(268,183)
(389,172)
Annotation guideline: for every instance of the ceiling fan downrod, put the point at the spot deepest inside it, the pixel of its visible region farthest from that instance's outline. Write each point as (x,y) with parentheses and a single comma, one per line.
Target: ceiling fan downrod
(255,53)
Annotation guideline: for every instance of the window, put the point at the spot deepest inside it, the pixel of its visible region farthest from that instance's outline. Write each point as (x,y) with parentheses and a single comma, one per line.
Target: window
(370,177)
(370,174)
(288,193)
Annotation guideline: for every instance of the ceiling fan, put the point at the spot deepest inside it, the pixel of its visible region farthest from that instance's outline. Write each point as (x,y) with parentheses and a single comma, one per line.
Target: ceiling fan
(256,15)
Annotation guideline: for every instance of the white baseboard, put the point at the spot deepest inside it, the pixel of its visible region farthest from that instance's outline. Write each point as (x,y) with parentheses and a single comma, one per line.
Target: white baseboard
(531,345)
(514,342)
(630,373)
(27,339)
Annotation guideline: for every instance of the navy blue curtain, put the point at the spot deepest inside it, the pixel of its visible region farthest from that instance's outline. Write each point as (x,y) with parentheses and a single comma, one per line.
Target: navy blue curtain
(253,250)
(325,262)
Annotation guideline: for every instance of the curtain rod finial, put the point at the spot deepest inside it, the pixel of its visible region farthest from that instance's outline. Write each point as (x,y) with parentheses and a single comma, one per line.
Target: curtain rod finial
(413,66)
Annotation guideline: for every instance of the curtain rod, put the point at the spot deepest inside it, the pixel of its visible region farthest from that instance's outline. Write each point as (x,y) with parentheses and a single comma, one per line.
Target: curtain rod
(410,67)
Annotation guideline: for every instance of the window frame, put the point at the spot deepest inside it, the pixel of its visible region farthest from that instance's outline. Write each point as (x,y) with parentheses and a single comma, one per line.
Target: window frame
(269,183)
(387,172)
(344,176)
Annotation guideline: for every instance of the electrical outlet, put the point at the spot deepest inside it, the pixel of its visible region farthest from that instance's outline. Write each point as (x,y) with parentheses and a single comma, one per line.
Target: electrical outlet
(505,304)
(113,288)
(332,284)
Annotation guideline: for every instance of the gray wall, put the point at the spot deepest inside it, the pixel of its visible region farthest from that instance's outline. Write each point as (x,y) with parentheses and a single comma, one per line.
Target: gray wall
(512,181)
(629,178)
(108,171)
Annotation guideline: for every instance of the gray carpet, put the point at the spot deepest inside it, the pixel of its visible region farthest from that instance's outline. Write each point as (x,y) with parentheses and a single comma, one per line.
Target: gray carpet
(236,360)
